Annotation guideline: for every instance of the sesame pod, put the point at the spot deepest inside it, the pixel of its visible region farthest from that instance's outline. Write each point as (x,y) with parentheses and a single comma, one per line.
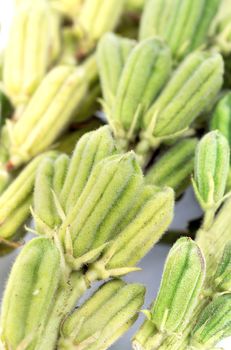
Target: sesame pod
(112,54)
(146,71)
(175,167)
(28,53)
(183,25)
(223,34)
(213,324)
(147,220)
(67,143)
(29,294)
(48,112)
(105,316)
(48,184)
(181,284)
(15,201)
(211,169)
(91,148)
(98,17)
(221,119)
(108,195)
(11,230)
(210,8)
(189,92)
(222,277)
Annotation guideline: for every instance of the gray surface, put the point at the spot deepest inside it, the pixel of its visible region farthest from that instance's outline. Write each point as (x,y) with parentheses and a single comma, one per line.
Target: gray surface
(152,265)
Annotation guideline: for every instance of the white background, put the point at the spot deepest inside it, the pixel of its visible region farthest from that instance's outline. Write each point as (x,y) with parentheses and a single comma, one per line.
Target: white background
(153,263)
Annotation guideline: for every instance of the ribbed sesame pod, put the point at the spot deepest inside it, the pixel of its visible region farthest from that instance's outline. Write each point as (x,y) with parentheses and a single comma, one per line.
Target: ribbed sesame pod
(175,167)
(146,71)
(48,112)
(210,8)
(29,294)
(189,92)
(48,185)
(183,24)
(145,223)
(67,143)
(181,284)
(105,316)
(112,54)
(110,192)
(223,34)
(222,277)
(91,148)
(221,119)
(214,323)
(28,53)
(98,17)
(15,201)
(211,169)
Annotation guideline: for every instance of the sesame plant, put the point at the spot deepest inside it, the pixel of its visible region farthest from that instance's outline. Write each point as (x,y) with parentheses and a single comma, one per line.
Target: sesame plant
(110,110)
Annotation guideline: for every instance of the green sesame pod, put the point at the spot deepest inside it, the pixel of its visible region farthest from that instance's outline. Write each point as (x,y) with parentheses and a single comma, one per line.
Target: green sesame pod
(28,53)
(48,112)
(107,197)
(181,284)
(223,34)
(98,17)
(222,277)
(15,201)
(60,172)
(92,148)
(112,54)
(210,8)
(48,184)
(29,294)
(108,314)
(184,25)
(146,71)
(221,119)
(211,169)
(175,167)
(189,92)
(213,324)
(12,228)
(173,21)
(150,216)
(67,143)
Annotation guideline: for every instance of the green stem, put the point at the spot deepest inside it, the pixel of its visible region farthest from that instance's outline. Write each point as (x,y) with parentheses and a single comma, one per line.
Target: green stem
(208,219)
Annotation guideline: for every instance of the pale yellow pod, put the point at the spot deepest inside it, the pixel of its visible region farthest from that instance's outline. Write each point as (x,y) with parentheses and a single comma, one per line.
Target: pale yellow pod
(32,45)
(98,17)
(47,113)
